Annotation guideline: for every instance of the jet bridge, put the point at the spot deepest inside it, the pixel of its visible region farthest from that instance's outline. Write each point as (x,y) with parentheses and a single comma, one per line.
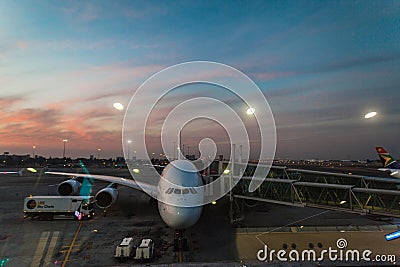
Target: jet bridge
(373,196)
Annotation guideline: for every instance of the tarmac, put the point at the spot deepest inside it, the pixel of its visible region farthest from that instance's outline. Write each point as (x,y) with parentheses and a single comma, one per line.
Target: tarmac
(213,241)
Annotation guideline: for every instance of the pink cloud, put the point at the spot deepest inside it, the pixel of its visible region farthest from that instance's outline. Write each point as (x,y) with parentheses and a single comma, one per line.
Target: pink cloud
(47,127)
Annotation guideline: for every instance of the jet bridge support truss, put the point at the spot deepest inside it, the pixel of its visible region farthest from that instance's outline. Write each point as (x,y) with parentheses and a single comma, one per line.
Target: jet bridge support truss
(305,188)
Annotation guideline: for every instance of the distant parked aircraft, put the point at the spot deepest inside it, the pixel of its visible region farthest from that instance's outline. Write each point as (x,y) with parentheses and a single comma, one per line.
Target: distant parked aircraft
(389,163)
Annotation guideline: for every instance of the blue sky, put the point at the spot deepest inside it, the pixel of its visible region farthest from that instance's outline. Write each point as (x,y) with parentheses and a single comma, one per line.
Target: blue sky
(320,64)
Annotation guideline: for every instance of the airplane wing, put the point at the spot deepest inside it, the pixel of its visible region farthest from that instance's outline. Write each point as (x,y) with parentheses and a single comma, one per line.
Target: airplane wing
(151,189)
(13,172)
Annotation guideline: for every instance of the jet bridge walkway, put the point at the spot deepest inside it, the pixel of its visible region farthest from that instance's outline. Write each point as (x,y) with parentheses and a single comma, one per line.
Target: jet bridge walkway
(373,196)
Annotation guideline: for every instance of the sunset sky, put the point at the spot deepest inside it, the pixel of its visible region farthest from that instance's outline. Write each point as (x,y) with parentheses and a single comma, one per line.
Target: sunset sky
(320,64)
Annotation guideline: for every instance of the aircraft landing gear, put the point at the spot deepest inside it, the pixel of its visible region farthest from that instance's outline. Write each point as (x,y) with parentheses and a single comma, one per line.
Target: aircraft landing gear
(180,241)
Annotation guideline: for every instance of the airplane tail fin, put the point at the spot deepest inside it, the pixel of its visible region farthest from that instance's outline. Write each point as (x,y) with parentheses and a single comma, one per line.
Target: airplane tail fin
(387,160)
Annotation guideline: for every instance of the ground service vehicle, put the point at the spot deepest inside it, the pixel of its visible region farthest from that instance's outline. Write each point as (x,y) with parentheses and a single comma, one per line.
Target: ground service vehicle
(145,250)
(124,250)
(51,207)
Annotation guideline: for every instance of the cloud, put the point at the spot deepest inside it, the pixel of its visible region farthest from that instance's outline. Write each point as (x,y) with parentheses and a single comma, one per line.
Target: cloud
(83,11)
(74,104)
(267,76)
(359,61)
(7,102)
(145,10)
(47,127)
(88,12)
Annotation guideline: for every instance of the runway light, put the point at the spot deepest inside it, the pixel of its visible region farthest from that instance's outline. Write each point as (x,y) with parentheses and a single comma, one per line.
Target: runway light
(226,171)
(370,115)
(118,106)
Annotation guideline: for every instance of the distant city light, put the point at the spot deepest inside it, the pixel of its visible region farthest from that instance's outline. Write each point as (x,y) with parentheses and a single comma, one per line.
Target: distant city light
(118,106)
(250,111)
(370,115)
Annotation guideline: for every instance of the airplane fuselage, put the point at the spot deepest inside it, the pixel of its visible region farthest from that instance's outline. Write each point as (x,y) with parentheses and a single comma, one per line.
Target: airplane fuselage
(180,198)
(393,172)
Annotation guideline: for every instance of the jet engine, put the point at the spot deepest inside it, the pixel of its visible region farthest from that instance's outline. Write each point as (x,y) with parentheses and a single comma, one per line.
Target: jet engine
(106,196)
(69,187)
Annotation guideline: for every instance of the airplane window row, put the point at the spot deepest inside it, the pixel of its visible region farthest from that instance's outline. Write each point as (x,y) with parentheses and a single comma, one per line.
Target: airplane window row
(181,191)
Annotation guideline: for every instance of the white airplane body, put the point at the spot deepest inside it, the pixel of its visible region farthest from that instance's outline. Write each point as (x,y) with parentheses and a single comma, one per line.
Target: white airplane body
(176,192)
(393,172)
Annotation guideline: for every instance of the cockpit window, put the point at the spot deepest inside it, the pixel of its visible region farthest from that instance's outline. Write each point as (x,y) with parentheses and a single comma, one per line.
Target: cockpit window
(169,190)
(193,191)
(177,191)
(185,191)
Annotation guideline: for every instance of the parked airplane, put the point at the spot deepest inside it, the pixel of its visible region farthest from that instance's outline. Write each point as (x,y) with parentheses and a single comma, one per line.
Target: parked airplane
(389,163)
(177,193)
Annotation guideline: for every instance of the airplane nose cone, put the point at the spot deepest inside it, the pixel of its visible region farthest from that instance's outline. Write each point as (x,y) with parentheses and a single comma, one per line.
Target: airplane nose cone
(186,217)
(180,217)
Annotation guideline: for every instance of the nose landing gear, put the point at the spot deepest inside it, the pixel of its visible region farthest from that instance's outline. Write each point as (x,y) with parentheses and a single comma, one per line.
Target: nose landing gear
(180,241)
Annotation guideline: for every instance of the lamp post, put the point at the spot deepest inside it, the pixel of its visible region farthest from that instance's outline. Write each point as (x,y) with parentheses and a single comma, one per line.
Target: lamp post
(33,151)
(98,153)
(64,141)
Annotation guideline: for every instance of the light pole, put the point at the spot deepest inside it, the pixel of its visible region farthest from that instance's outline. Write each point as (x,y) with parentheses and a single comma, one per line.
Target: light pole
(64,141)
(98,153)
(33,151)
